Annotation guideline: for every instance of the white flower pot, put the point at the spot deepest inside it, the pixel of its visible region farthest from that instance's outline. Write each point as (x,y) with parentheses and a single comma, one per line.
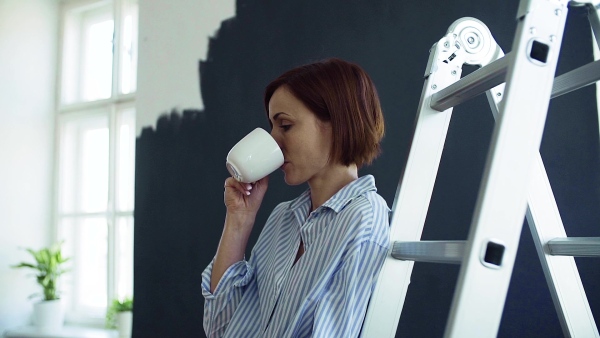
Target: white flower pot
(124,323)
(48,315)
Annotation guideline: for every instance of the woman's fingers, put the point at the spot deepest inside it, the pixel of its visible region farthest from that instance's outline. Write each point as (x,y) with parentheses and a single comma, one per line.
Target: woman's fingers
(242,188)
(244,197)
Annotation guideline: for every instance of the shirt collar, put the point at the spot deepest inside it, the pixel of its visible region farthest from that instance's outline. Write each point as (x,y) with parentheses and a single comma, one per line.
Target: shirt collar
(339,200)
(349,192)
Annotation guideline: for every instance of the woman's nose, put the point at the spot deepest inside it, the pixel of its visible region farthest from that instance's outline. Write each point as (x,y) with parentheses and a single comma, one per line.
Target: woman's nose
(273,134)
(275,137)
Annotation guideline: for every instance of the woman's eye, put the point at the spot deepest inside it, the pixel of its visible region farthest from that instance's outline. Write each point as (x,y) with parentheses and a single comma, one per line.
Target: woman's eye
(286,127)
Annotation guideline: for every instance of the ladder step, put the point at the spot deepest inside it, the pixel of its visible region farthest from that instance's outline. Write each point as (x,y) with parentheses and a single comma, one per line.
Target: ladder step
(494,74)
(575,246)
(429,251)
(577,78)
(471,85)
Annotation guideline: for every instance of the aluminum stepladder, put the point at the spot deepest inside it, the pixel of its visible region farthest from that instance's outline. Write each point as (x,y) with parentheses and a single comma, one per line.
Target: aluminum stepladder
(514,184)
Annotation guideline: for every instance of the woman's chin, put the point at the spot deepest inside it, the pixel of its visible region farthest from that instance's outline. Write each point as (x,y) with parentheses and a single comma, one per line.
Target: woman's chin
(290,180)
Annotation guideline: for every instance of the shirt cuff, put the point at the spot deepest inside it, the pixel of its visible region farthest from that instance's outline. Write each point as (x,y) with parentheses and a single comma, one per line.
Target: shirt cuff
(239,274)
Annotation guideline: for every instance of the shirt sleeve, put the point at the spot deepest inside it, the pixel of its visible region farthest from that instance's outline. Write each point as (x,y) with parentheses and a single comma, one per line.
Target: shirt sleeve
(220,305)
(342,308)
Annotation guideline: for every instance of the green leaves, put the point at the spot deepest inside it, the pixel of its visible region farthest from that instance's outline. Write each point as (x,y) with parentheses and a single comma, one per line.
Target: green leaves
(123,305)
(48,263)
(25,265)
(116,306)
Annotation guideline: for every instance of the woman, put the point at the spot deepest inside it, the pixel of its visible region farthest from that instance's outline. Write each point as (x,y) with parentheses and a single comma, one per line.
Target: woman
(314,266)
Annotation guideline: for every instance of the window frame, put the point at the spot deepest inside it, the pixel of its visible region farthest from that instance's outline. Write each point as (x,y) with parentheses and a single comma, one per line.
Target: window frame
(112,108)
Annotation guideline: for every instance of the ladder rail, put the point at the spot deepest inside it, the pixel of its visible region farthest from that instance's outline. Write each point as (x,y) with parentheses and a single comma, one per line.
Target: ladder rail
(546,226)
(562,276)
(410,208)
(412,198)
(481,288)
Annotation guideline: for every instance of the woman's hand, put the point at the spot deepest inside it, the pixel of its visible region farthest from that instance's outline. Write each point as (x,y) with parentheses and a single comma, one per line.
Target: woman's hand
(244,198)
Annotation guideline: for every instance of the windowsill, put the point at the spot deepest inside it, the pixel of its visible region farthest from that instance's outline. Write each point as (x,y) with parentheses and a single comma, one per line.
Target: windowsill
(67,331)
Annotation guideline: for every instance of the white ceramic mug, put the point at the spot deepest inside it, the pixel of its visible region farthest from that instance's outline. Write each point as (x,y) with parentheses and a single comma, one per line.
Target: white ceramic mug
(254,157)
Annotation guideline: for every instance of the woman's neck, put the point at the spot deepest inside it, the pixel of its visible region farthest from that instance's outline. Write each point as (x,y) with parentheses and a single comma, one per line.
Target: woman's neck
(329,183)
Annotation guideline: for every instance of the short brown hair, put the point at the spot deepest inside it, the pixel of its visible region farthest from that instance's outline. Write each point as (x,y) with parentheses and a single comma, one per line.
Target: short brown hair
(343,94)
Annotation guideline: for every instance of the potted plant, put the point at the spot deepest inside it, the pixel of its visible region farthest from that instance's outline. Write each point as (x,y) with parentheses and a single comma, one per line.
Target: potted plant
(119,315)
(49,262)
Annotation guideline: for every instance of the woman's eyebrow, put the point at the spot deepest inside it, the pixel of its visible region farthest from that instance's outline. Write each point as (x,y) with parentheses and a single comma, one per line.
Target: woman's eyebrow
(277,115)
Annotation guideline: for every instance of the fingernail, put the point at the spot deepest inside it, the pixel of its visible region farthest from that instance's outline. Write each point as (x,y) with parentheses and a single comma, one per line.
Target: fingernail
(247,193)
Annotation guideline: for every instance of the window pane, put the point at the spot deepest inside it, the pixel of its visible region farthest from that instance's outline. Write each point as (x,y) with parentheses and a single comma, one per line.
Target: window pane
(85,241)
(94,172)
(125,160)
(87,53)
(124,257)
(84,164)
(128,56)
(92,255)
(97,60)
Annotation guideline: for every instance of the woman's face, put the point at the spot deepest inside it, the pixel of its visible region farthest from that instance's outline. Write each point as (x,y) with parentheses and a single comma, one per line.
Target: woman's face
(304,139)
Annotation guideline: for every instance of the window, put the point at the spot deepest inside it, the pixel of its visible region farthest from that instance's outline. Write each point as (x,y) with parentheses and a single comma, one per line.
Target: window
(96,153)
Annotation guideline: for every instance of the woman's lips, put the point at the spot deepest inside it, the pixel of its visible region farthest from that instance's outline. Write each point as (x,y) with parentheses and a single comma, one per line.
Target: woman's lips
(284,165)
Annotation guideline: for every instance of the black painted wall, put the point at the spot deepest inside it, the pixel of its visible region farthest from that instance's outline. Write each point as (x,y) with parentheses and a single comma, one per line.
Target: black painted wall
(180,167)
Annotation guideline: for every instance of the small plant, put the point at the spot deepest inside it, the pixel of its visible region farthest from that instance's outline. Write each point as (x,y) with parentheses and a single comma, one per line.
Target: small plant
(48,263)
(126,304)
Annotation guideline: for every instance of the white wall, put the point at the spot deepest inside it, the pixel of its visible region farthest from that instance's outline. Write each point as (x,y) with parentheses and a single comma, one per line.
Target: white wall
(173,38)
(28,38)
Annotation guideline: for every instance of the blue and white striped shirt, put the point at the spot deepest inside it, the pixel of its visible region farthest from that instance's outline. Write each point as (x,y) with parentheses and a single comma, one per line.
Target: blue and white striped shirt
(326,292)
